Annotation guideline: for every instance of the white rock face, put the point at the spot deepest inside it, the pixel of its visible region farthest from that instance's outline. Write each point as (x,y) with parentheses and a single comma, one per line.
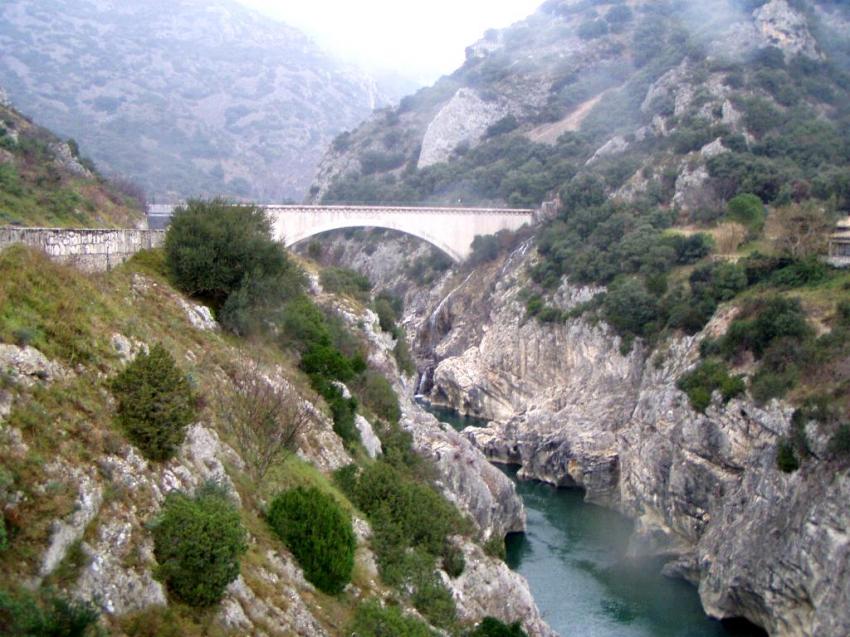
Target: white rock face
(614,146)
(246,611)
(69,530)
(781,26)
(487,587)
(370,441)
(64,158)
(27,366)
(690,187)
(118,588)
(464,119)
(704,489)
(713,149)
(199,316)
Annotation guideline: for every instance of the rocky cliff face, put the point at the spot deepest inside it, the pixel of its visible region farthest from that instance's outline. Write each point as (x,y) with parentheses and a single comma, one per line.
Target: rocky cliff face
(704,490)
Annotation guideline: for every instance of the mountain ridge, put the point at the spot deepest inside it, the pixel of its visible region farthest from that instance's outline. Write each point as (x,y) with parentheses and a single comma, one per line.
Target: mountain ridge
(188,98)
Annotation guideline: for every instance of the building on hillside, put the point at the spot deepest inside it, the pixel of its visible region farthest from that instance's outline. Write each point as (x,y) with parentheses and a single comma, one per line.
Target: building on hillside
(839,244)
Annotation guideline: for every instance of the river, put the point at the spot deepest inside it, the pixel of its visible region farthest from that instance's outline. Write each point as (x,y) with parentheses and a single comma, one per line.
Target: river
(573,555)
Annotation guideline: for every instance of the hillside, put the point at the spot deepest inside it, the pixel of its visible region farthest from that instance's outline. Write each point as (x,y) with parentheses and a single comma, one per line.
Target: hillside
(45,182)
(656,101)
(185,97)
(83,490)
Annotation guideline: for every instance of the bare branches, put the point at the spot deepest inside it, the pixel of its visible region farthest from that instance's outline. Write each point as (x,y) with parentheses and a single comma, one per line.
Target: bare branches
(800,230)
(263,417)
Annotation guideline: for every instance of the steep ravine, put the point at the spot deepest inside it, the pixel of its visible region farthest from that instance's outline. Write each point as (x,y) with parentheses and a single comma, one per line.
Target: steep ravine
(569,409)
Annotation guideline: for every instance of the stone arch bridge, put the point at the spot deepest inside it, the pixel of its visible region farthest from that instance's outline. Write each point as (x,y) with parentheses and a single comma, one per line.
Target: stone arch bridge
(449,229)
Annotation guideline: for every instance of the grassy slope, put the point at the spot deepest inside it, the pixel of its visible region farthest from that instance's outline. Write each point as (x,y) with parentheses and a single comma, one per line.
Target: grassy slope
(35,190)
(71,318)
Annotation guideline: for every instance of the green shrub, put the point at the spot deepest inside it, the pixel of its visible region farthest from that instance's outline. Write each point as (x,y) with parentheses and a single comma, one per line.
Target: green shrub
(347,282)
(495,547)
(155,403)
(387,316)
(593,29)
(23,615)
(619,15)
(376,392)
(505,125)
(419,513)
(707,377)
(318,532)
(435,602)
(453,560)
(256,304)
(775,318)
(303,325)
(402,355)
(211,246)
(485,248)
(630,309)
(748,210)
(373,620)
(197,543)
(809,271)
(767,385)
(4,537)
(327,362)
(492,627)
(786,459)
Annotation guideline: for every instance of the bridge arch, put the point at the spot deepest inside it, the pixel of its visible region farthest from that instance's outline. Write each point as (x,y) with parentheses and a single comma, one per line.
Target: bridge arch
(290,240)
(450,230)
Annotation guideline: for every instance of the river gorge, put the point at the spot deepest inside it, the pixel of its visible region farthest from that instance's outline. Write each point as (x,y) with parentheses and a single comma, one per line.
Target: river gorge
(575,557)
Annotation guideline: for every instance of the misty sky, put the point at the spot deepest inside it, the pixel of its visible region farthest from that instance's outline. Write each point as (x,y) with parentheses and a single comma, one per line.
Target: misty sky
(418,38)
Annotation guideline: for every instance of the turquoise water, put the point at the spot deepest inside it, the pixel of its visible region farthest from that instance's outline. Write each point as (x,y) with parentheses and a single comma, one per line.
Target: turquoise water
(573,555)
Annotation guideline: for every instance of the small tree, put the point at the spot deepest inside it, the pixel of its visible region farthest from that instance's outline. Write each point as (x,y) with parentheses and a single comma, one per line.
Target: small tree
(198,542)
(263,418)
(748,210)
(800,230)
(155,403)
(729,237)
(319,534)
(211,246)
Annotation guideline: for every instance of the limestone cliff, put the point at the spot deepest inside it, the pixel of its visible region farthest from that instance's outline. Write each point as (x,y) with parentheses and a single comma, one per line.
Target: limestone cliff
(569,408)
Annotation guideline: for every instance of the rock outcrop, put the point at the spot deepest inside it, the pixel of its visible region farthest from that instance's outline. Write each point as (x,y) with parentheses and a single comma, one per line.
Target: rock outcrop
(464,120)
(487,587)
(570,409)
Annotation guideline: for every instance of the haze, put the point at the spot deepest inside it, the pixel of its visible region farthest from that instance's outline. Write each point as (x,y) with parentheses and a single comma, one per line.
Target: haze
(419,40)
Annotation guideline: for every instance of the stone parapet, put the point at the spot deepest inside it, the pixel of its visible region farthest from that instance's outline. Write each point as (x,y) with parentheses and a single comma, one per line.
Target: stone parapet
(91,250)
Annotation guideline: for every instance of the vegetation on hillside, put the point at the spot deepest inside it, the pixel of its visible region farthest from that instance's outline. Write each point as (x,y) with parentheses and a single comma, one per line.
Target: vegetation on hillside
(44,181)
(199,536)
(197,543)
(155,403)
(318,532)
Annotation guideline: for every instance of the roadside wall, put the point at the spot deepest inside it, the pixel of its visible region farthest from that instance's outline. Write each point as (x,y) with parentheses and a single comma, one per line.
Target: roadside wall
(92,250)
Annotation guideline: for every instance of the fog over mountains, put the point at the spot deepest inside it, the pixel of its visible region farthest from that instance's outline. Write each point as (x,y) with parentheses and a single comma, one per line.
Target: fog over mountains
(188,97)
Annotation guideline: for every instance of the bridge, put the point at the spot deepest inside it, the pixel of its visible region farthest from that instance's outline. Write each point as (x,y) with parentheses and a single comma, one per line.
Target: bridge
(449,229)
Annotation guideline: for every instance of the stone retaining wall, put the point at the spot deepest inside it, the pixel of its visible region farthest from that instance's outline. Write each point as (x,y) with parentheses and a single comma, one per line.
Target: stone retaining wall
(92,250)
